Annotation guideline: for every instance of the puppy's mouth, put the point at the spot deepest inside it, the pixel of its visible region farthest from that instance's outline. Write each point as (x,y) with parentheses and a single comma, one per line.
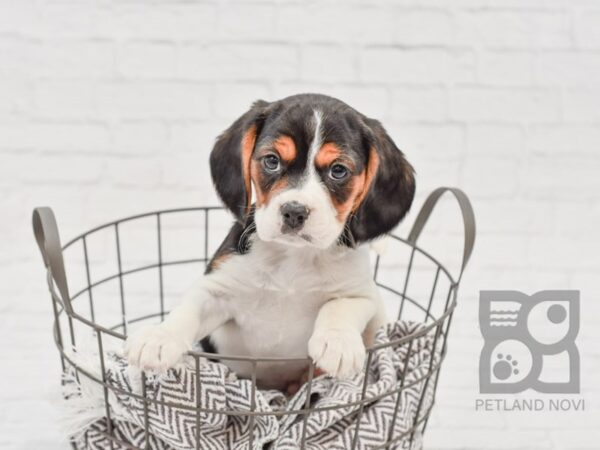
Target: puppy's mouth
(300,233)
(295,239)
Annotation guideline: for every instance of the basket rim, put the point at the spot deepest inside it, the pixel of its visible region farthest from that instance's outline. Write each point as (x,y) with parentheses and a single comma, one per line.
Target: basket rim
(160,212)
(451,300)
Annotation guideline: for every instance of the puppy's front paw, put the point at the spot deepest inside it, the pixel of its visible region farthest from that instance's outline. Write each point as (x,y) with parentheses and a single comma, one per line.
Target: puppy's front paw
(338,352)
(154,348)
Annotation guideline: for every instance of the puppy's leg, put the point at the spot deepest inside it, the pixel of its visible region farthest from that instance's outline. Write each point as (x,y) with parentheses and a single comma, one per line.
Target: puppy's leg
(159,347)
(336,345)
(378,319)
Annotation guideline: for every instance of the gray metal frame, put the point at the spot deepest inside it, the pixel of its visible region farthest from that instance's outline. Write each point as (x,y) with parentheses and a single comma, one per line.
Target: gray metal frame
(47,236)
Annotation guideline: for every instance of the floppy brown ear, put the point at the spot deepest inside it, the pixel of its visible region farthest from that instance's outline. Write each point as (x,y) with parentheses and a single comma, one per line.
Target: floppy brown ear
(230,160)
(390,187)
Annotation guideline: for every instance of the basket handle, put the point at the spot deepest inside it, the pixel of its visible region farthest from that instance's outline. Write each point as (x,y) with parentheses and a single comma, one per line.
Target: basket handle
(48,239)
(467,215)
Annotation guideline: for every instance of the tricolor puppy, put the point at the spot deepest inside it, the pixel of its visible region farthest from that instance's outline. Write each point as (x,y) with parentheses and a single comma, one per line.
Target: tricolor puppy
(309,180)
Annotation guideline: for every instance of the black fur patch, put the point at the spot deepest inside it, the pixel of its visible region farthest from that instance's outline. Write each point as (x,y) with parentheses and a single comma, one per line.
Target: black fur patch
(237,242)
(208,346)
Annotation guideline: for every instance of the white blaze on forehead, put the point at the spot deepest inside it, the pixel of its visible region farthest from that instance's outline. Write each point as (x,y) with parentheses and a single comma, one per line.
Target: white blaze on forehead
(312,189)
(316,143)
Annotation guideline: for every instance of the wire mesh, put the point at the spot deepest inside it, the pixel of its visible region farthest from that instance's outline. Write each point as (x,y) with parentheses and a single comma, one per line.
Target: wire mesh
(394,278)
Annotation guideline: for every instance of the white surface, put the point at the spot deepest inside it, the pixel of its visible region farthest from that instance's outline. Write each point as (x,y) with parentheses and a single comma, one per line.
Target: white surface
(110,108)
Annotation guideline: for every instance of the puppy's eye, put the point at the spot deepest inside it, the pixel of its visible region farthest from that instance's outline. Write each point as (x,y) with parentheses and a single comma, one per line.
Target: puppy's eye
(271,163)
(338,172)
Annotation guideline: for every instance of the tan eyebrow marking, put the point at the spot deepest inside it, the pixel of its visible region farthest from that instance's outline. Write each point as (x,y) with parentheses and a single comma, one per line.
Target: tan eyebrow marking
(331,152)
(327,154)
(286,148)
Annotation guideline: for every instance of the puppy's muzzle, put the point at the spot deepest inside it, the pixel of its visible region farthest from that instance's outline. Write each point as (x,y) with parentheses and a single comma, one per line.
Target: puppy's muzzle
(294,216)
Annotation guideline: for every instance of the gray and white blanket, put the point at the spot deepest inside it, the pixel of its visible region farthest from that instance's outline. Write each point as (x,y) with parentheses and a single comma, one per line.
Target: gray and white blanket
(173,425)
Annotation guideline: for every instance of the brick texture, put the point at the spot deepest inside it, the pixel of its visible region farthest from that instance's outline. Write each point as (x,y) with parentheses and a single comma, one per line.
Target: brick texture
(110,108)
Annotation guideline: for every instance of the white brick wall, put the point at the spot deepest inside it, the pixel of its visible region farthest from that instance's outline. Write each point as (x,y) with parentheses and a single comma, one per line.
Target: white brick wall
(110,108)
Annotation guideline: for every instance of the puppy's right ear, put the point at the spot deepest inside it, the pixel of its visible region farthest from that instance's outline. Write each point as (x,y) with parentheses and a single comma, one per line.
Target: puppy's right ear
(230,160)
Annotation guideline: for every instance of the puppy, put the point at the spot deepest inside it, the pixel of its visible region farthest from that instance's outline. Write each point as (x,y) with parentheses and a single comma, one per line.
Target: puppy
(309,180)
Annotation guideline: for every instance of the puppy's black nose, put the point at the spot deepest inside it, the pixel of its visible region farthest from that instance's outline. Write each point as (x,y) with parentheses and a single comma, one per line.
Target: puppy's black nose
(294,215)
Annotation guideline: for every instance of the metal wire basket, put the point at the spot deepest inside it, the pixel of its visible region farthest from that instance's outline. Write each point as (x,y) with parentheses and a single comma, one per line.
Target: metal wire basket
(414,284)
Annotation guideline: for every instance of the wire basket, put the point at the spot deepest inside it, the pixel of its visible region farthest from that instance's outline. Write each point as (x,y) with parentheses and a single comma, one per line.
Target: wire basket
(105,306)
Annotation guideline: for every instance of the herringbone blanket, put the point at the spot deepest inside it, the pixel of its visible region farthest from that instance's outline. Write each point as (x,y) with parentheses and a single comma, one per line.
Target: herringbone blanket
(173,425)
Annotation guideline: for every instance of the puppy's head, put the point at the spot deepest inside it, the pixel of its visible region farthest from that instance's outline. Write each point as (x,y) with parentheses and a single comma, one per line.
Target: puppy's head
(318,171)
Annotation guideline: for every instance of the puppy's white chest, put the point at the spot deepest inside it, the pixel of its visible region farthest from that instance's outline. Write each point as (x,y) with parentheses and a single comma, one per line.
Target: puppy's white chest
(273,297)
(275,310)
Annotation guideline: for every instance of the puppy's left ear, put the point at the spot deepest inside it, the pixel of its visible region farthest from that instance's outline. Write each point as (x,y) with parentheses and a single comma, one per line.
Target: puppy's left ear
(390,186)
(230,160)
